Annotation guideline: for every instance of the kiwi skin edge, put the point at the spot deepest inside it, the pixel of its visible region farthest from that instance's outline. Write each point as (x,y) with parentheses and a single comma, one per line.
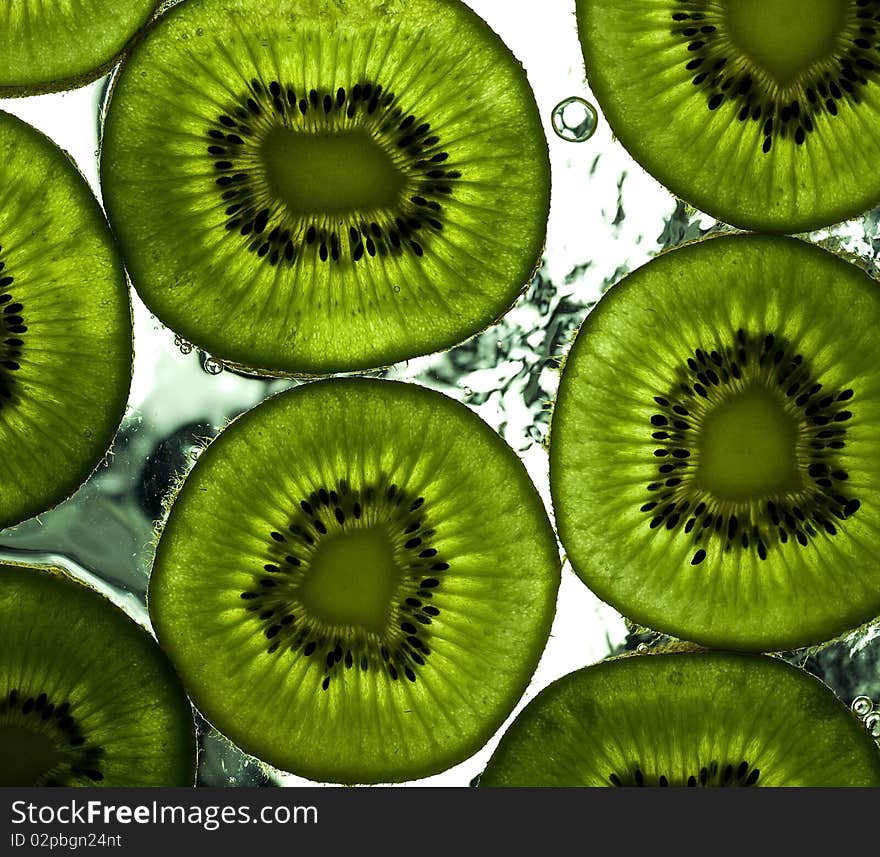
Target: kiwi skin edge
(67,84)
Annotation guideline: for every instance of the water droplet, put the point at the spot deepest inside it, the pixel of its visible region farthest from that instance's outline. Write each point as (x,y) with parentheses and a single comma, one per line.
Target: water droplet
(642,647)
(575,119)
(466,392)
(184,346)
(395,289)
(212,366)
(872,724)
(862,705)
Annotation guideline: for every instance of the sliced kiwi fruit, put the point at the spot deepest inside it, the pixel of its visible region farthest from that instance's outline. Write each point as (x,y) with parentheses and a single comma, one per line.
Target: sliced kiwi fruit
(312,186)
(356,581)
(53,45)
(763,113)
(688,719)
(87,698)
(65,326)
(714,459)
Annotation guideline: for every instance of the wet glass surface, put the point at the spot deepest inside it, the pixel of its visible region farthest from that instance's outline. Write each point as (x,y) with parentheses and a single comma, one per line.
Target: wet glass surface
(607,218)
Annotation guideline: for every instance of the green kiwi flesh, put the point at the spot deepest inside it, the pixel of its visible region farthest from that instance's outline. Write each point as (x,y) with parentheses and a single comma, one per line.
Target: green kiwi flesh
(311,186)
(689,719)
(714,464)
(65,326)
(62,44)
(763,113)
(356,581)
(86,696)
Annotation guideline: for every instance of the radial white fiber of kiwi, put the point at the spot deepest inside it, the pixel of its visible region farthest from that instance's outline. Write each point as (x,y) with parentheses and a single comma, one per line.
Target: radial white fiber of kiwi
(688,719)
(763,113)
(356,581)
(312,186)
(87,698)
(65,326)
(714,460)
(52,45)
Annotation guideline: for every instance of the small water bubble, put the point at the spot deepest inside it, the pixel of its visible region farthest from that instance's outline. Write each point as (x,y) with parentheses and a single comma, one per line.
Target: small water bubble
(395,289)
(575,119)
(862,705)
(212,366)
(466,392)
(184,346)
(872,724)
(642,647)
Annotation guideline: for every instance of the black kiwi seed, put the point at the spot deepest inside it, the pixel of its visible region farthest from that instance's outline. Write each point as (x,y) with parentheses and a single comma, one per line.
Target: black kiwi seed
(729,775)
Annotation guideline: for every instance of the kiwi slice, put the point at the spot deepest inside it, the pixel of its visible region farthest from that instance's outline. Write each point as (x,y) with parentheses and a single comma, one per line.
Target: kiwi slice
(310,186)
(51,45)
(714,460)
(763,113)
(691,719)
(65,326)
(86,696)
(356,581)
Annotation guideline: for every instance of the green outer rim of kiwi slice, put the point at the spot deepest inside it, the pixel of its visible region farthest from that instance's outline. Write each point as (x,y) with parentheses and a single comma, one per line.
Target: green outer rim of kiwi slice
(643,717)
(641,65)
(678,528)
(51,50)
(280,528)
(86,688)
(441,194)
(65,326)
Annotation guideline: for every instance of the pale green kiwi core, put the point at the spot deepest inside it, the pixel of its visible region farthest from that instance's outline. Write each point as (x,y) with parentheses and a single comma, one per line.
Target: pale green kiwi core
(330,173)
(352,580)
(27,755)
(747,448)
(785,37)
